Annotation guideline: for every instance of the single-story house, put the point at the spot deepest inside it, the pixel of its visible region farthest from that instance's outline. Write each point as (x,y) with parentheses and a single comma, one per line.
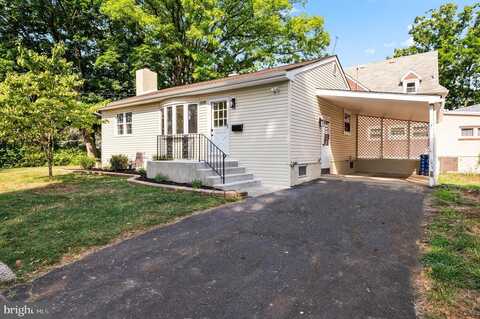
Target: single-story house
(459,140)
(282,126)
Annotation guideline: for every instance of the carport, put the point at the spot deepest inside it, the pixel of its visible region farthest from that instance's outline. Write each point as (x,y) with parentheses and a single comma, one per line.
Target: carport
(392,129)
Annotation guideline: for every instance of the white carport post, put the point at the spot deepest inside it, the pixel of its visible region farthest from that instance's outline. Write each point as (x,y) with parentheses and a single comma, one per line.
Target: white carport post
(432,150)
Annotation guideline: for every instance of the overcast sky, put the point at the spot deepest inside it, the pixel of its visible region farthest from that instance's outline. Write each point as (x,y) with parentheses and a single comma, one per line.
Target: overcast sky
(369,30)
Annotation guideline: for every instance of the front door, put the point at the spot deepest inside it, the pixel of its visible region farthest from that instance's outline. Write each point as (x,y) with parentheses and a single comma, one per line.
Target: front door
(326,153)
(220,132)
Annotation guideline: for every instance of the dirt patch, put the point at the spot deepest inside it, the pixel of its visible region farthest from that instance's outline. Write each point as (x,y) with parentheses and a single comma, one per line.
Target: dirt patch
(430,300)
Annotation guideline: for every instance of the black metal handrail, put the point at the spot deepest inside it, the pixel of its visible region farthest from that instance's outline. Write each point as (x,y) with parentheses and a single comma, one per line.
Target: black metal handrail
(192,147)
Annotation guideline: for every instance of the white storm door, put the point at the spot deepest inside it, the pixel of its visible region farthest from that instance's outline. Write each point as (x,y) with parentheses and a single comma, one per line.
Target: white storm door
(325,156)
(220,132)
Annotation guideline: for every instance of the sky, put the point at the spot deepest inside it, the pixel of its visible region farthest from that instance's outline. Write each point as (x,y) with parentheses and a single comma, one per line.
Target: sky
(369,30)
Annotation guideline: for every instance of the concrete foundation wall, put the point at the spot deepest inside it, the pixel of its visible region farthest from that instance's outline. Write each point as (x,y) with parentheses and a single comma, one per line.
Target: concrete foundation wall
(177,171)
(387,166)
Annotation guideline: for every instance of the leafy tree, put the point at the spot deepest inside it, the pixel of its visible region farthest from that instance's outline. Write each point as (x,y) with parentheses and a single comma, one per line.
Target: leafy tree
(456,36)
(192,40)
(38,105)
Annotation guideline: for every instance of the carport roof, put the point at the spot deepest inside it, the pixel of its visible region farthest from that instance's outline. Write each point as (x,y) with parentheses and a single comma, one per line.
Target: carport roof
(400,106)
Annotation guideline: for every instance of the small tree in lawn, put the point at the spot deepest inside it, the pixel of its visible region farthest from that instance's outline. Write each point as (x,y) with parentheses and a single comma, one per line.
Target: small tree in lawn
(38,105)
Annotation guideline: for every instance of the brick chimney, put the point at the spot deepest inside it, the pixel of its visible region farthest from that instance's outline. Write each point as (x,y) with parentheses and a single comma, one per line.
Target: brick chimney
(146,81)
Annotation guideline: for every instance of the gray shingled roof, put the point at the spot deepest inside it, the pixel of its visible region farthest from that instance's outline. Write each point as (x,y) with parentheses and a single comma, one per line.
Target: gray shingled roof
(471,108)
(385,76)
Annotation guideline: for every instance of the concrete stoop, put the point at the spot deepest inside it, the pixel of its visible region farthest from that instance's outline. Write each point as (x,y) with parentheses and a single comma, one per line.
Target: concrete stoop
(236,176)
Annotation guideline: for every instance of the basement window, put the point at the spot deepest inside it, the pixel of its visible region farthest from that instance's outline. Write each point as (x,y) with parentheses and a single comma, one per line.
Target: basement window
(302,170)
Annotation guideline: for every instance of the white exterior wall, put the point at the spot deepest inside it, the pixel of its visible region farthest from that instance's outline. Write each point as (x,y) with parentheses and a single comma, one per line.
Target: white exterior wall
(452,144)
(305,137)
(262,146)
(145,127)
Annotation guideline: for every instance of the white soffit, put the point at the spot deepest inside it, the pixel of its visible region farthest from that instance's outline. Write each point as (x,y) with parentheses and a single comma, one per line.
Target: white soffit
(398,106)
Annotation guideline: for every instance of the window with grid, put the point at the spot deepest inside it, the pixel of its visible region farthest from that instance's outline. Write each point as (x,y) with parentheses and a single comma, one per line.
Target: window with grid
(179,112)
(192,118)
(467,131)
(419,131)
(124,123)
(398,132)
(374,133)
(219,114)
(411,87)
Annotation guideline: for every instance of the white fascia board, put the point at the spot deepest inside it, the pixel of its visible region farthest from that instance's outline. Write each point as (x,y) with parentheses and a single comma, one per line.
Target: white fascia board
(408,72)
(292,73)
(195,91)
(430,99)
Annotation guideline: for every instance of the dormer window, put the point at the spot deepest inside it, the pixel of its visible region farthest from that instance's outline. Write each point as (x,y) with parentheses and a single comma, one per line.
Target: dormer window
(410,82)
(411,87)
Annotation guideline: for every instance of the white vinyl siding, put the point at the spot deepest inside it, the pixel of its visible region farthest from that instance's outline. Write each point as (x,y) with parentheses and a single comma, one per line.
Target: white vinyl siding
(305,139)
(146,126)
(261,148)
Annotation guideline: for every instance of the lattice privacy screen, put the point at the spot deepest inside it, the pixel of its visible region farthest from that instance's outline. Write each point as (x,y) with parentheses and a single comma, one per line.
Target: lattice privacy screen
(383,138)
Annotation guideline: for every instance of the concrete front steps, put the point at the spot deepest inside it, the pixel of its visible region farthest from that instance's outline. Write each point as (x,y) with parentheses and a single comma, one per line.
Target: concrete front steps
(236,177)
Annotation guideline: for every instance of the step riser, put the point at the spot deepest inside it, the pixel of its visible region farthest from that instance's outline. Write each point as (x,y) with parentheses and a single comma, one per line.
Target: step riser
(228,171)
(229,164)
(250,183)
(213,180)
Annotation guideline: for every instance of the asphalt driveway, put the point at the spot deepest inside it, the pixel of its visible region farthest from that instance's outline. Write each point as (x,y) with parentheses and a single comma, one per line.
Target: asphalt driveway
(329,249)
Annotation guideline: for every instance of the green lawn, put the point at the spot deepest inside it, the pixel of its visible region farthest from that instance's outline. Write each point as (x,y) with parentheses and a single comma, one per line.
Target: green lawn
(43,221)
(451,257)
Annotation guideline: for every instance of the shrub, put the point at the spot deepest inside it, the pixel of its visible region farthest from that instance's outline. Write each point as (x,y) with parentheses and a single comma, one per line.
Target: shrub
(87,162)
(196,183)
(161,178)
(68,156)
(119,162)
(32,158)
(142,172)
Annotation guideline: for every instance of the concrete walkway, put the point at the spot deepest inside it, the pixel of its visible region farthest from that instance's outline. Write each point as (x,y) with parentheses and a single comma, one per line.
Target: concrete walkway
(329,249)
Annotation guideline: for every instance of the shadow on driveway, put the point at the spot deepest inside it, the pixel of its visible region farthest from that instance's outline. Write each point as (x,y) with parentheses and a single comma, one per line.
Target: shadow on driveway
(328,249)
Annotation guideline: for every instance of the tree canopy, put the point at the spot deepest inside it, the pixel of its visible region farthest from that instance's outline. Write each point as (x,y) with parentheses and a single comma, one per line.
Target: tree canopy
(184,41)
(38,105)
(456,36)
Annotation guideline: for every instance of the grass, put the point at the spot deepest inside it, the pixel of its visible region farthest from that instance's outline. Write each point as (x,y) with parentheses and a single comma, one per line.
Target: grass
(451,256)
(44,221)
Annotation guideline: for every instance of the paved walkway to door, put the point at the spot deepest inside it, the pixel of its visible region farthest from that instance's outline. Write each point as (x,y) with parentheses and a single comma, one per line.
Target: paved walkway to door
(329,249)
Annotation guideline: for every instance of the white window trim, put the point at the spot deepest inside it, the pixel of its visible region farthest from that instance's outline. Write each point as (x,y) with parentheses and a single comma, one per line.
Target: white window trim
(476,132)
(306,171)
(174,105)
(220,99)
(124,125)
(397,137)
(369,135)
(351,121)
(417,85)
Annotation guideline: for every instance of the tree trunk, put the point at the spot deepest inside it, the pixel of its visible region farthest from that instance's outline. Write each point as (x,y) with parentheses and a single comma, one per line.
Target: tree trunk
(50,157)
(89,142)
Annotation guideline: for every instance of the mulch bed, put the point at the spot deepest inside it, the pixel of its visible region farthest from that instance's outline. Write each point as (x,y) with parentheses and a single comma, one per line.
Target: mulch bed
(175,184)
(126,171)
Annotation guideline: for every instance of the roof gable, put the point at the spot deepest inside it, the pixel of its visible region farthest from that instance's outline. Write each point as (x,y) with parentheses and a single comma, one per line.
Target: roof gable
(387,75)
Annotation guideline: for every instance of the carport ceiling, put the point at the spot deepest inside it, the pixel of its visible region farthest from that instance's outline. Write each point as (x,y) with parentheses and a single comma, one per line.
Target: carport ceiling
(390,105)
